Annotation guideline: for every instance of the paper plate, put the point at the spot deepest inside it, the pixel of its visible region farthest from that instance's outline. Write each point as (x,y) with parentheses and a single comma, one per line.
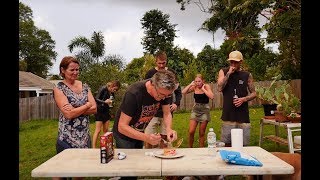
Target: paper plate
(159,154)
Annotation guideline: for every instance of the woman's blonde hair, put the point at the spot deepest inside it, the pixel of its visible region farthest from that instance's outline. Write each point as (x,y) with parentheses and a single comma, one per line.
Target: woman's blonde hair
(200,76)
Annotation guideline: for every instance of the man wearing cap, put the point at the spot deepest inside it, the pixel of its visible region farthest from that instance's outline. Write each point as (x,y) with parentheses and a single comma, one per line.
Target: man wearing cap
(237,88)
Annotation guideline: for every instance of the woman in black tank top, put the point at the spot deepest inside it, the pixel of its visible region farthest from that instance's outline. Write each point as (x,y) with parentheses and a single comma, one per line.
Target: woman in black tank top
(201,110)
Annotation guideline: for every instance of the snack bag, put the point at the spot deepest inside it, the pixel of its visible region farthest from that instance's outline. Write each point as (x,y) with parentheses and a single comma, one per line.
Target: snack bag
(234,157)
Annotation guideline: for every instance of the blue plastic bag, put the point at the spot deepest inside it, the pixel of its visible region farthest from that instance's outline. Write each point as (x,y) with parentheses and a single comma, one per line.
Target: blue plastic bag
(234,157)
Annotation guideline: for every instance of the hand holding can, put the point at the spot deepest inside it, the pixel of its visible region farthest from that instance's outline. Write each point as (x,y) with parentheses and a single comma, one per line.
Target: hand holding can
(111,101)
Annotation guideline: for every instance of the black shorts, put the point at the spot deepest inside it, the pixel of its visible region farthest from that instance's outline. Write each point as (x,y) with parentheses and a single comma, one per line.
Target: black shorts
(103,114)
(104,117)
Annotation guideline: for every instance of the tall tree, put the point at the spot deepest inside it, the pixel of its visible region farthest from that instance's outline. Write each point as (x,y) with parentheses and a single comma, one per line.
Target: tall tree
(133,71)
(115,60)
(99,74)
(210,61)
(239,19)
(91,50)
(149,62)
(236,17)
(35,45)
(284,27)
(261,63)
(190,73)
(178,59)
(159,32)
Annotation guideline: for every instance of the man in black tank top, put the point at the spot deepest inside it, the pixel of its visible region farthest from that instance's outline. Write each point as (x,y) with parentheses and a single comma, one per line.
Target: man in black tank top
(237,88)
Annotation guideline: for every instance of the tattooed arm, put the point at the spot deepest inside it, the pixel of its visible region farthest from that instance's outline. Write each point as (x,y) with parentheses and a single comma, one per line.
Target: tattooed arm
(251,88)
(223,79)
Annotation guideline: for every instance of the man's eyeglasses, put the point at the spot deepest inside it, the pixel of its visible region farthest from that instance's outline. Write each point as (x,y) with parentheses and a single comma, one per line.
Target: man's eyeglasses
(160,95)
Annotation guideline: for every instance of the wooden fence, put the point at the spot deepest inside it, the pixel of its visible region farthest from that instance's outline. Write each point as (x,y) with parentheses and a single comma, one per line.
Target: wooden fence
(44,107)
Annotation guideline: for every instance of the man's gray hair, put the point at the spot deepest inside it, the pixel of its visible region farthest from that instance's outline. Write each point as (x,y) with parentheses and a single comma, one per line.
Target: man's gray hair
(165,79)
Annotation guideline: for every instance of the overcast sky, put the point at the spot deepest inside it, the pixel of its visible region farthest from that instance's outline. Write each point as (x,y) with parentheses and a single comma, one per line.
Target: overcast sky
(119,20)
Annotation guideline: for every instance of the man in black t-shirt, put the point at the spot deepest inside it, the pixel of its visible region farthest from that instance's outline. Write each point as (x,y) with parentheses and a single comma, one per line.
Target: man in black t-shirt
(237,88)
(157,121)
(139,104)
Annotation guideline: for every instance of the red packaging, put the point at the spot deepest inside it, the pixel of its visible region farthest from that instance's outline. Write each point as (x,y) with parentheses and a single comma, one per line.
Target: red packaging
(106,147)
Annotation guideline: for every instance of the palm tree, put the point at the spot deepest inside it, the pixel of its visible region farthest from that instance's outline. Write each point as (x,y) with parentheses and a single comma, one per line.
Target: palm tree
(92,49)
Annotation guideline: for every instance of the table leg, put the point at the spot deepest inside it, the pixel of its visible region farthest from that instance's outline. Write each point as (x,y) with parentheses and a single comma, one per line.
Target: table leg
(276,128)
(257,177)
(290,141)
(261,132)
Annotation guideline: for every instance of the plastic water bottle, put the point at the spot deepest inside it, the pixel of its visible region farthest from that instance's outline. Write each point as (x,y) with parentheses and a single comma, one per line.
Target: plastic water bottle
(211,139)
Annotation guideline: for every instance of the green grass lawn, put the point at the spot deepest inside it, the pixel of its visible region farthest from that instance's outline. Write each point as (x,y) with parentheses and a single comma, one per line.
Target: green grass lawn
(37,138)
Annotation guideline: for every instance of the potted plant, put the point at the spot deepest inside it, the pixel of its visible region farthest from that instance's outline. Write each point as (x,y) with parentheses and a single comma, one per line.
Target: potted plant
(280,96)
(266,94)
(289,105)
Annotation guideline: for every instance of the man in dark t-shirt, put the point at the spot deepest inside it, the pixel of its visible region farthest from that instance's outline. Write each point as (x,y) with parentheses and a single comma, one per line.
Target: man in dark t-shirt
(139,104)
(156,122)
(237,88)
